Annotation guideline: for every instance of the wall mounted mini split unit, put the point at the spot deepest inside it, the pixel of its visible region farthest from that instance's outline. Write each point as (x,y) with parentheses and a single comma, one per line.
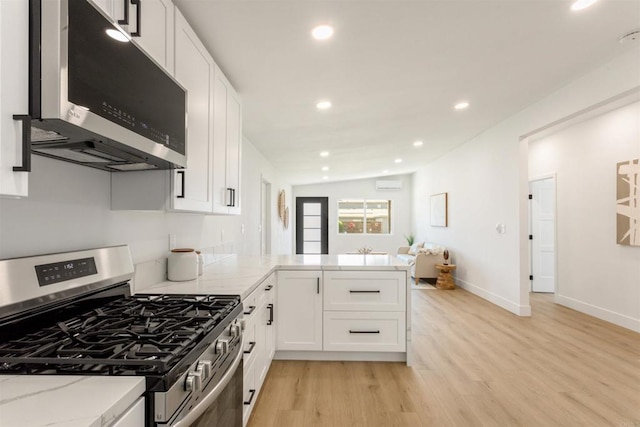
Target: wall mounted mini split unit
(389,185)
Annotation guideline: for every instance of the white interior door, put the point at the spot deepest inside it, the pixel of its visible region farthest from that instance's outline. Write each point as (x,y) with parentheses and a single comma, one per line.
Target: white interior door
(543,235)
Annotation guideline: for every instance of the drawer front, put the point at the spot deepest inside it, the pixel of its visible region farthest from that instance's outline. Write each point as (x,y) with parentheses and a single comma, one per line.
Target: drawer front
(364,331)
(249,393)
(250,306)
(365,291)
(250,342)
(266,289)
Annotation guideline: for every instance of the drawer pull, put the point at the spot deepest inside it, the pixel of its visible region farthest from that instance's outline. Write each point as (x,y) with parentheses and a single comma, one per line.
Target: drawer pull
(270,308)
(252,344)
(268,288)
(365,292)
(251,310)
(363,332)
(252,392)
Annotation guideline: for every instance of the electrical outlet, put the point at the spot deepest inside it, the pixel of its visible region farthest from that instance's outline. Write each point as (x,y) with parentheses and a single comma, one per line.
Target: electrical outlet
(172,241)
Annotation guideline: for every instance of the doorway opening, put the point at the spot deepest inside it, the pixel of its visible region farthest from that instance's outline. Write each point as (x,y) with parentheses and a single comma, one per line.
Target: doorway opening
(312,225)
(542,234)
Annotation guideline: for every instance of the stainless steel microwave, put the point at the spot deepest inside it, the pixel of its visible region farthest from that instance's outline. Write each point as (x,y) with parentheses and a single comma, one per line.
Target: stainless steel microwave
(98,101)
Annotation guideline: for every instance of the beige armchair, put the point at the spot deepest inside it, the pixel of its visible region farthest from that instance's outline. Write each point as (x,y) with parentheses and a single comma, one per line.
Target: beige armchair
(423,265)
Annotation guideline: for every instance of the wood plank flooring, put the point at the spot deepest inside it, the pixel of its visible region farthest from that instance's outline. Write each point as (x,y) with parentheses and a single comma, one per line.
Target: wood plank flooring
(475,364)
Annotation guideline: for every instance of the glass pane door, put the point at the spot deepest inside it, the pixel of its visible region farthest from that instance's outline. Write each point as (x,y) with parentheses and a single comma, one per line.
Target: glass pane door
(312,225)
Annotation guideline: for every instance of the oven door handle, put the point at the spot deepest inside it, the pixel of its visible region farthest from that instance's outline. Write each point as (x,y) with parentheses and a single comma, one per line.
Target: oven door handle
(201,407)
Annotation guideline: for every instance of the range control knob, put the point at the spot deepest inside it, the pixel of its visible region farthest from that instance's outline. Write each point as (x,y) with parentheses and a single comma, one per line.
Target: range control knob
(235,330)
(222,346)
(204,369)
(193,382)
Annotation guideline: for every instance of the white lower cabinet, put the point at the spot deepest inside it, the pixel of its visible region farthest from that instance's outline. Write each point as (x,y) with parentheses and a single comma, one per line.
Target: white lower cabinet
(259,336)
(133,417)
(299,310)
(342,311)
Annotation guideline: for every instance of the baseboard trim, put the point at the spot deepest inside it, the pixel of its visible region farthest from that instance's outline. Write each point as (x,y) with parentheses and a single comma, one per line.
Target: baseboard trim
(599,312)
(366,356)
(520,310)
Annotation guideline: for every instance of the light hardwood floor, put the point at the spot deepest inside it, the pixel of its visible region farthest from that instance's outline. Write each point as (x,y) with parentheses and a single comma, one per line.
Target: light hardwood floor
(475,365)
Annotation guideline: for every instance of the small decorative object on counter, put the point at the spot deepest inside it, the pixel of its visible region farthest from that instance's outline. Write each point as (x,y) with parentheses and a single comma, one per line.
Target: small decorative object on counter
(365,250)
(200,263)
(445,255)
(182,265)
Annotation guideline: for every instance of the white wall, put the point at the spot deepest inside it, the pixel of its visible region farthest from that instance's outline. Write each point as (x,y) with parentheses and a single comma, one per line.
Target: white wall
(363,189)
(594,274)
(68,208)
(487,182)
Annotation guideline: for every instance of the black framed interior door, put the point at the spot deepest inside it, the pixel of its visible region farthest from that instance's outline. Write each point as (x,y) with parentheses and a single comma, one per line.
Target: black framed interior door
(312,225)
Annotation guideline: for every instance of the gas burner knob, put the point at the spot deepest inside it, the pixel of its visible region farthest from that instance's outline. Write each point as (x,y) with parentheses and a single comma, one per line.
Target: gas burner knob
(193,382)
(222,346)
(243,324)
(235,330)
(204,369)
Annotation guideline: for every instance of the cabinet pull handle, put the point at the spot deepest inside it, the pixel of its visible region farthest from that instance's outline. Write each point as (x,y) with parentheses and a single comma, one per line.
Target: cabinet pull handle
(125,21)
(318,285)
(138,31)
(233,198)
(268,288)
(364,292)
(251,310)
(253,393)
(181,195)
(252,344)
(26,142)
(363,332)
(270,321)
(230,203)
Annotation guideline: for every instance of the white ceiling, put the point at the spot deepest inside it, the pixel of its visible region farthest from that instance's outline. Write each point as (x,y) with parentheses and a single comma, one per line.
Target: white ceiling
(393,71)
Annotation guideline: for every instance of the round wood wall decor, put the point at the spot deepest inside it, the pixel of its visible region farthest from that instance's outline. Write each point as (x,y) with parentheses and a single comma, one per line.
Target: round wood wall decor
(281,202)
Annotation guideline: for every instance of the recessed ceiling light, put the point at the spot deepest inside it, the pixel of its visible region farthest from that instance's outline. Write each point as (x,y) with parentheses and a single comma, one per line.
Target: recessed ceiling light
(117,35)
(325,168)
(323,105)
(325,177)
(322,32)
(385,171)
(582,4)
(324,154)
(461,105)
(398,160)
(418,144)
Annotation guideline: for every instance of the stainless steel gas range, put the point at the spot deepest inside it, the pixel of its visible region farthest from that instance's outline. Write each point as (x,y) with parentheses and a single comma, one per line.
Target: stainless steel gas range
(72,314)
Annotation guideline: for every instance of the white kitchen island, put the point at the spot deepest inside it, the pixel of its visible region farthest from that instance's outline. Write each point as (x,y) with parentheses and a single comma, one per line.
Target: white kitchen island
(317,297)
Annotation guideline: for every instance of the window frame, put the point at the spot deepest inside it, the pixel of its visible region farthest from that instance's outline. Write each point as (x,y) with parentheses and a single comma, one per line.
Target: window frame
(365,203)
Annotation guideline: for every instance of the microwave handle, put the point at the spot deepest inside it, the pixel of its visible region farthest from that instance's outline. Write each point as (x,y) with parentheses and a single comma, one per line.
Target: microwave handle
(202,406)
(138,31)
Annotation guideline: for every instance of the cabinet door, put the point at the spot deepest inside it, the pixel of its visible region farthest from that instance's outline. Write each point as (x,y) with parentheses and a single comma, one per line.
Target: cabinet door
(234,144)
(194,69)
(299,310)
(272,324)
(221,196)
(14,66)
(156,30)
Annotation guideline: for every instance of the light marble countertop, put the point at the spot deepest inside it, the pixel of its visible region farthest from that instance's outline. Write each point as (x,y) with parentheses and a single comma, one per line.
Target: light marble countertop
(65,400)
(240,275)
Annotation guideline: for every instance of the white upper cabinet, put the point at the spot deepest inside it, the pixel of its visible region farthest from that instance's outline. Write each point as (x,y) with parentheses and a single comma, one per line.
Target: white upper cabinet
(14,92)
(194,69)
(148,22)
(227,146)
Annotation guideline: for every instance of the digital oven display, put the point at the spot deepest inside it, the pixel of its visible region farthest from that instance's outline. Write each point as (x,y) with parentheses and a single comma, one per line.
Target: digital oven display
(48,274)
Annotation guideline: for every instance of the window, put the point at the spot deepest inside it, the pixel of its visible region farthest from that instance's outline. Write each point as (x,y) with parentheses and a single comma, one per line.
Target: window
(364,216)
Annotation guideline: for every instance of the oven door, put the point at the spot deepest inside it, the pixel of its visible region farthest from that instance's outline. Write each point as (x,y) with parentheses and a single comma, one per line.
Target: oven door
(222,405)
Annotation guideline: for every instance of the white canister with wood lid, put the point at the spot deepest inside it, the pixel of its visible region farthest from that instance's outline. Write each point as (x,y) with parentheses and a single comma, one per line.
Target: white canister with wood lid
(182,265)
